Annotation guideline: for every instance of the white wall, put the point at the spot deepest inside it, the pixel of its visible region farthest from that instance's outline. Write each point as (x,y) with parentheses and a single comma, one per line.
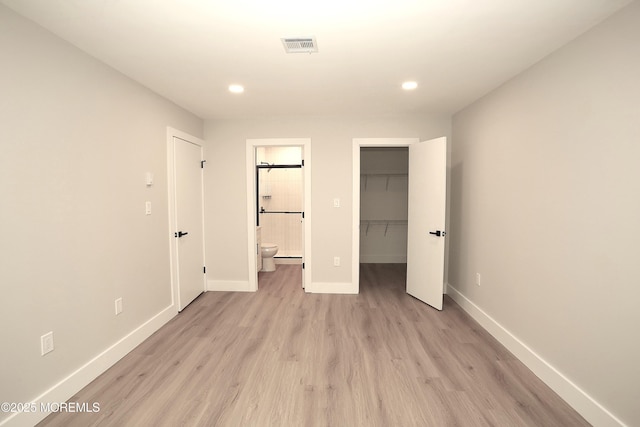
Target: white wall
(77,138)
(331,146)
(384,204)
(546,206)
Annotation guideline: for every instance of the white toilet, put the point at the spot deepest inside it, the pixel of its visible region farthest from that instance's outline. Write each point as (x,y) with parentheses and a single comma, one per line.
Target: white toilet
(268,250)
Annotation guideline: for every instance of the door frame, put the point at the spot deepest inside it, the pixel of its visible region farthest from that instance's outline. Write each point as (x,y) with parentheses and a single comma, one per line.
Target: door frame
(252,145)
(358,143)
(171,188)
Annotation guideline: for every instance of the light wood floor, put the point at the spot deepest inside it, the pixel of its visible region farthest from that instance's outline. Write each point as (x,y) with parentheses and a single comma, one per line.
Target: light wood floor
(280,357)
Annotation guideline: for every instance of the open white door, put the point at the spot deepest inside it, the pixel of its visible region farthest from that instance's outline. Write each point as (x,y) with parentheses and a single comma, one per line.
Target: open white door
(426,220)
(189,229)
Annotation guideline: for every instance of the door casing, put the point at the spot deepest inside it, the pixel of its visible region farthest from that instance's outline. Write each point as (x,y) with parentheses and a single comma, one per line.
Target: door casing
(355,242)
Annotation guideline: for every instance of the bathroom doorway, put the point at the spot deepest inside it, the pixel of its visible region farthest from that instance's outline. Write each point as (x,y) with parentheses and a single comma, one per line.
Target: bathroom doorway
(278,181)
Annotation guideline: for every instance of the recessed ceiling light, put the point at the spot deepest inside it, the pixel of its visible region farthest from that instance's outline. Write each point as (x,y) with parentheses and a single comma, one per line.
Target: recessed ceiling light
(409,85)
(236,88)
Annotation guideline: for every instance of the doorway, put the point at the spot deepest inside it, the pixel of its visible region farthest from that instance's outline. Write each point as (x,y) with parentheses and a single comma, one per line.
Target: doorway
(274,211)
(279,202)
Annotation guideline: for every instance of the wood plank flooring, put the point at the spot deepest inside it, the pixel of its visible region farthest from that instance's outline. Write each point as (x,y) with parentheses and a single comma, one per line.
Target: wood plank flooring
(280,357)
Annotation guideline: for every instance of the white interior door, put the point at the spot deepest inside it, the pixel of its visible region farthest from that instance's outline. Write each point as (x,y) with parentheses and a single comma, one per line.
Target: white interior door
(426,220)
(189,229)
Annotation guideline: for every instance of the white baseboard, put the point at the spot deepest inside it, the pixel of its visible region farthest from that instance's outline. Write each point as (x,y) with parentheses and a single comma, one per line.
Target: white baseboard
(332,288)
(75,382)
(229,286)
(383,259)
(578,399)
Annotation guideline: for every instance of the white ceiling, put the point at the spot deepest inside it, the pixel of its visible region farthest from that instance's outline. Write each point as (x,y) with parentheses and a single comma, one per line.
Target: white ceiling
(190,51)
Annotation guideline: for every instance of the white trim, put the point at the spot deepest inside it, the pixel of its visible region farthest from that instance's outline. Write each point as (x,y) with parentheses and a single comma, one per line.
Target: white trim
(252,245)
(79,379)
(332,288)
(171,188)
(578,399)
(355,195)
(229,286)
(252,144)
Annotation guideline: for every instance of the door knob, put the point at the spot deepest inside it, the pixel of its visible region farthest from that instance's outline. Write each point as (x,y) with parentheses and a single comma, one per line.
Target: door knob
(438,233)
(181,233)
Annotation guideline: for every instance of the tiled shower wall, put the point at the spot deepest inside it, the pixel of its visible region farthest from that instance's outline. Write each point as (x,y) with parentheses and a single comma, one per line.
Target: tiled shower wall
(281,190)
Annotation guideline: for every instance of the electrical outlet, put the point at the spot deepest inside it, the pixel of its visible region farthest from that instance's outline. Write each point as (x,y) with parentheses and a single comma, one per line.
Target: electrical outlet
(147,208)
(46,343)
(478,279)
(336,203)
(336,261)
(118,306)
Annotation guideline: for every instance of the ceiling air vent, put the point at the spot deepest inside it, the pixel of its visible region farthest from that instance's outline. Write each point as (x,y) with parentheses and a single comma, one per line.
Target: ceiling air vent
(300,44)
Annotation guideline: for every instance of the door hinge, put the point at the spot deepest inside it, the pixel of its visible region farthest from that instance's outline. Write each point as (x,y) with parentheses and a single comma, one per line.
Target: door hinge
(303,265)
(302,215)
(202,162)
(302,162)
(204,270)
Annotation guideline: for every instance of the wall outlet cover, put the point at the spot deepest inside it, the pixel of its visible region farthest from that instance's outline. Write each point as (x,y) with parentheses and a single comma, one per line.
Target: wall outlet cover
(46,343)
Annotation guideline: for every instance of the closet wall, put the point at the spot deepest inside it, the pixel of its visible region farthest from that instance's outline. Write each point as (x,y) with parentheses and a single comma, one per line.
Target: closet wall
(383,204)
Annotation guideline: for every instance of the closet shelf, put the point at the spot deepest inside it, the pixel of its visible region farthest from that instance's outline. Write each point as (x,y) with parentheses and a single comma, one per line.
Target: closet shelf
(387,175)
(386,222)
